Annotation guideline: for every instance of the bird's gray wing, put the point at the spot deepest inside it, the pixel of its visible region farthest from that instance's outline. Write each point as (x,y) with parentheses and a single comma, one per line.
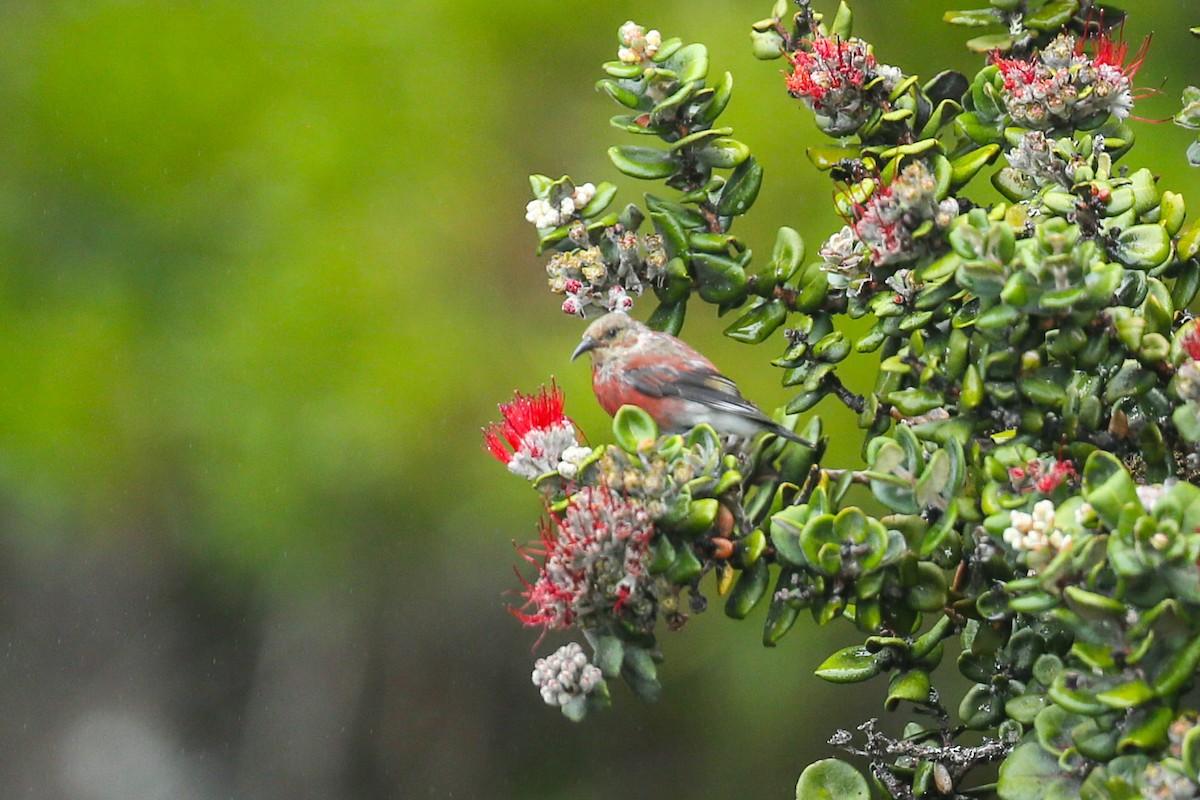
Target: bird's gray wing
(705,386)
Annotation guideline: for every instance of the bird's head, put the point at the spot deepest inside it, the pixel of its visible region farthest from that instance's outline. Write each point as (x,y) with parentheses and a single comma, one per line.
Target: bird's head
(608,335)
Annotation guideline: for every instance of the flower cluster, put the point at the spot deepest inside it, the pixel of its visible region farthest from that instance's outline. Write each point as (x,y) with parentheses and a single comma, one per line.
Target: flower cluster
(843,255)
(594,571)
(637,44)
(1035,532)
(1187,377)
(566,675)
(546,214)
(886,225)
(606,277)
(1035,158)
(1061,85)
(832,78)
(535,436)
(1042,476)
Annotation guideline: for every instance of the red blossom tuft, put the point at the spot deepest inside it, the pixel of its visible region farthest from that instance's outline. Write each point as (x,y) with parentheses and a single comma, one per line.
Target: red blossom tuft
(832,64)
(525,413)
(1191,343)
(1036,476)
(1017,72)
(591,564)
(1111,52)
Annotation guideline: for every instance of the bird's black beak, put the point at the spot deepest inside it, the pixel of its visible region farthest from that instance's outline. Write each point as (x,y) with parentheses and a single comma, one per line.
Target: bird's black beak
(587,344)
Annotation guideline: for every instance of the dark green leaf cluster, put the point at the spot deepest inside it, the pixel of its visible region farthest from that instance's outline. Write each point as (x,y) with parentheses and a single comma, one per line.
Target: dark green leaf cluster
(1101,700)
(1030,23)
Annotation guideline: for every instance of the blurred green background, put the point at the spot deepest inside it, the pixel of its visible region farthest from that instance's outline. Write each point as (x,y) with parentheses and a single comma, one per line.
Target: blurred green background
(264,276)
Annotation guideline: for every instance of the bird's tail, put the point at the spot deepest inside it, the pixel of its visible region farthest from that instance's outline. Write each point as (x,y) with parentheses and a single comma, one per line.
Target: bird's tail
(791,436)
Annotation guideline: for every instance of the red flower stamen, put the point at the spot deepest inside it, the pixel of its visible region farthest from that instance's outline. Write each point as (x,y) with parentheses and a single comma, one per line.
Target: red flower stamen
(1109,51)
(1034,476)
(1017,72)
(832,61)
(525,413)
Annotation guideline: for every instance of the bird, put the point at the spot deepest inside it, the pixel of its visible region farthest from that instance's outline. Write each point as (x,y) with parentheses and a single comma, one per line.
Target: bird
(679,388)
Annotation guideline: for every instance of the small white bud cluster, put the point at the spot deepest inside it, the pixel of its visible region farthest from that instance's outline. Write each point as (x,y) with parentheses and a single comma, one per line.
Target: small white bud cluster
(843,255)
(1035,532)
(1152,493)
(542,450)
(638,44)
(570,459)
(544,214)
(565,675)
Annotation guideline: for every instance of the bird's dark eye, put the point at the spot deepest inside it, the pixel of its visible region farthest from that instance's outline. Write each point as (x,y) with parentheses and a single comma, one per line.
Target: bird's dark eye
(610,333)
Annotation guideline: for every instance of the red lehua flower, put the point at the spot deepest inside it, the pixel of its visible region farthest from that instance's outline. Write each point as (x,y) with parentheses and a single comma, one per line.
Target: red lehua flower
(1016,71)
(1191,343)
(830,65)
(552,602)
(1039,477)
(1112,52)
(526,413)
(592,563)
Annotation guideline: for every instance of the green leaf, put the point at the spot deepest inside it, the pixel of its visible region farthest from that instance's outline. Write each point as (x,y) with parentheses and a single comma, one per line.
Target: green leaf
(749,589)
(700,517)
(990,42)
(934,480)
(759,322)
(631,427)
(850,665)
(973,17)
(1146,730)
(789,251)
(686,568)
(693,62)
(609,652)
(722,152)
(668,317)
(1187,421)
(1126,695)
(647,163)
(843,21)
(741,189)
(783,613)
(722,92)
(766,45)
(619,69)
(981,707)
(1032,773)
(721,279)
(605,192)
(929,593)
(785,534)
(619,93)
(1191,753)
(832,779)
(1091,605)
(1108,487)
(1178,670)
(1052,16)
(1066,691)
(640,674)
(912,686)
(968,165)
(1143,246)
(667,111)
